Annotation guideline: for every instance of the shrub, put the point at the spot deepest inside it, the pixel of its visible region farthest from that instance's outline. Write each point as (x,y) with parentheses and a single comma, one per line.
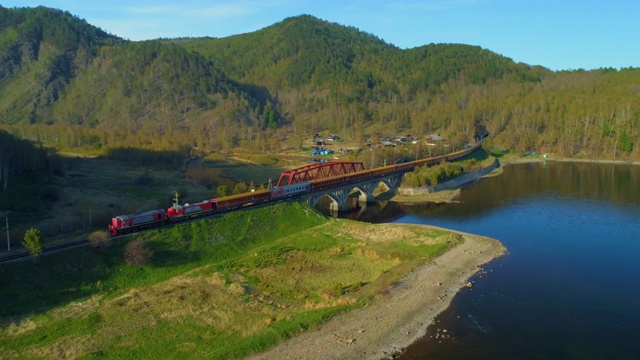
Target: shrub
(137,253)
(100,240)
(240,188)
(33,242)
(222,191)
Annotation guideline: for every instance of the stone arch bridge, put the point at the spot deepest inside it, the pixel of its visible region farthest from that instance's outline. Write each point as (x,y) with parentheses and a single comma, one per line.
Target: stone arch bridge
(340,194)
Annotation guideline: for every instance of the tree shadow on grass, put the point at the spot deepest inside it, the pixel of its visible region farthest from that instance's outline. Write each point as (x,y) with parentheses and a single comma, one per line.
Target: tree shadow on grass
(54,280)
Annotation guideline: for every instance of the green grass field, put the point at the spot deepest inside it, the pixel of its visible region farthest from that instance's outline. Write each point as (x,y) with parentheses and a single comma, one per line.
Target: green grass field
(218,288)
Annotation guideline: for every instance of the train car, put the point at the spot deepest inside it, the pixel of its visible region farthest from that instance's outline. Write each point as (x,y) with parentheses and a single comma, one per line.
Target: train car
(188,211)
(385,170)
(123,224)
(406,167)
(226,203)
(429,161)
(358,176)
(457,155)
(320,184)
(286,191)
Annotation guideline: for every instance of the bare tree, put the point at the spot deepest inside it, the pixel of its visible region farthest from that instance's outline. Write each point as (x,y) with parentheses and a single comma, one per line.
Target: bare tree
(137,253)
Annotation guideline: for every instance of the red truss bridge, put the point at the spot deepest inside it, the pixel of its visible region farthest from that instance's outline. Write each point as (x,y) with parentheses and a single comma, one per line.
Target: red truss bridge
(319,171)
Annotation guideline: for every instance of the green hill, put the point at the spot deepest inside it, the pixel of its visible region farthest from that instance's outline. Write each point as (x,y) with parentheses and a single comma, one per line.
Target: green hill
(219,288)
(295,78)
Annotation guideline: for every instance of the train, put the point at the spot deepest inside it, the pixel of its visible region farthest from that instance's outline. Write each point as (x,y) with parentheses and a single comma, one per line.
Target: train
(123,224)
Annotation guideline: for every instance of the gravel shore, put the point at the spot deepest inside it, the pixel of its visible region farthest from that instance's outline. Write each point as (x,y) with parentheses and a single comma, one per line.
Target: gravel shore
(398,317)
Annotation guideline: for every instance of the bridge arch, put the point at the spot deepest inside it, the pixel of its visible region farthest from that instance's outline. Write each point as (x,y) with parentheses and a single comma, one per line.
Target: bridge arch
(340,195)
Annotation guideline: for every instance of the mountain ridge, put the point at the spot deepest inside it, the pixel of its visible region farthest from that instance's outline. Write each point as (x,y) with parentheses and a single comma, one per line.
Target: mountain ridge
(300,75)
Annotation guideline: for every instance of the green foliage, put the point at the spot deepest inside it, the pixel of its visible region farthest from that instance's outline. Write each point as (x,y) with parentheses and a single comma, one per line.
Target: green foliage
(625,142)
(240,188)
(270,117)
(33,242)
(433,175)
(222,191)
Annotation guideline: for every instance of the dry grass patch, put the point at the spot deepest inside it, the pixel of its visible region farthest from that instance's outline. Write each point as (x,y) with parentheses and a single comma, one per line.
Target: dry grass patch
(17,326)
(200,300)
(65,348)
(377,233)
(367,259)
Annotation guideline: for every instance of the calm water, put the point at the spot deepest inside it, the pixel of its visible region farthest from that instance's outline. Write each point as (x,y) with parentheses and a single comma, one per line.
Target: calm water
(569,287)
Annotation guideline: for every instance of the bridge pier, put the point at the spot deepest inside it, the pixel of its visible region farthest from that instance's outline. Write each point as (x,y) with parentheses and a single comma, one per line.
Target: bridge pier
(366,192)
(339,197)
(393,182)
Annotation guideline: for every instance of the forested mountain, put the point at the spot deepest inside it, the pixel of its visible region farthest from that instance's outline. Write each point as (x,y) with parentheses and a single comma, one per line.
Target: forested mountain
(305,51)
(58,70)
(294,78)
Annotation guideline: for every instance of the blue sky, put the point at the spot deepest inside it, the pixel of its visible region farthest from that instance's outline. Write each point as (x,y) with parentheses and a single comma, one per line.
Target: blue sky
(560,34)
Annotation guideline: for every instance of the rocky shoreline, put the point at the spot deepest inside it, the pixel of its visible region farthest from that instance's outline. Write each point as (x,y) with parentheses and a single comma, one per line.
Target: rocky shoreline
(399,316)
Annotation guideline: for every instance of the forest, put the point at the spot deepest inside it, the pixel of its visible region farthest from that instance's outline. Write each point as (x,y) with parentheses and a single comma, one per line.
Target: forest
(66,84)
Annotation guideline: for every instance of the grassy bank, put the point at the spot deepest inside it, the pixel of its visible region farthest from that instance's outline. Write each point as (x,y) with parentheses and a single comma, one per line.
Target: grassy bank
(218,288)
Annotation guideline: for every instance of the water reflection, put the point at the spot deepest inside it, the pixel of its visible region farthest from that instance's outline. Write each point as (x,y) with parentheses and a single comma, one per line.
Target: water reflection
(379,212)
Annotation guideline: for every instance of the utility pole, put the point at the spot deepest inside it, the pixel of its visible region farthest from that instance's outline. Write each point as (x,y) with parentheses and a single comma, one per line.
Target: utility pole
(8,242)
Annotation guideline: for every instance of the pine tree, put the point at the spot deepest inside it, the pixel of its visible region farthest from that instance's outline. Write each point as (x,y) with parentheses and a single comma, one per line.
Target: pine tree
(33,242)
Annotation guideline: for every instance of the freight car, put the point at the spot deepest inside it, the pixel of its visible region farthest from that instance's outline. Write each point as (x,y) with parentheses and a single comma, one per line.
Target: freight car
(231,202)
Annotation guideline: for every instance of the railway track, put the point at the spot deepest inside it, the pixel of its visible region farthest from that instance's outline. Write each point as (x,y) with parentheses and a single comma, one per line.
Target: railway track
(48,250)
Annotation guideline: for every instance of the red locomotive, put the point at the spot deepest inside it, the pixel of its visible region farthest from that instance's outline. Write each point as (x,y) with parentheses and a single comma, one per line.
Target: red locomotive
(188,211)
(123,224)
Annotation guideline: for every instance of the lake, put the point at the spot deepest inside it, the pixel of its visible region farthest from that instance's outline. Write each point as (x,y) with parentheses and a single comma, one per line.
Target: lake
(568,287)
